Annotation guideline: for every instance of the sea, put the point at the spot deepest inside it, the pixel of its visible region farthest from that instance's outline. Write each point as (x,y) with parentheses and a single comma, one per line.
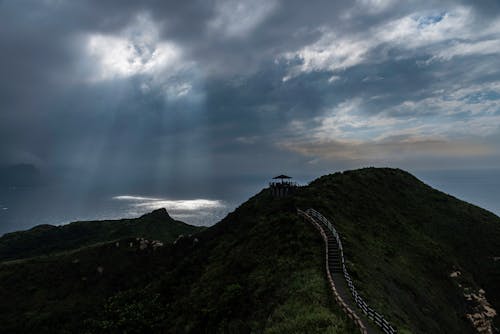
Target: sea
(23,208)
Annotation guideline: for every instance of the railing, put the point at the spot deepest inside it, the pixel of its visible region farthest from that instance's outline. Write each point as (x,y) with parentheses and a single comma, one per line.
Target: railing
(376,317)
(340,301)
(283,184)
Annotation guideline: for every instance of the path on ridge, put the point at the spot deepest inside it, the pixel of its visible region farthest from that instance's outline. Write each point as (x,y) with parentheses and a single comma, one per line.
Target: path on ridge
(340,282)
(366,319)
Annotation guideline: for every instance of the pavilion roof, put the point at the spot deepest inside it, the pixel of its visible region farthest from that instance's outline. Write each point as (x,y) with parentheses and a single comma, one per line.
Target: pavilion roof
(282,177)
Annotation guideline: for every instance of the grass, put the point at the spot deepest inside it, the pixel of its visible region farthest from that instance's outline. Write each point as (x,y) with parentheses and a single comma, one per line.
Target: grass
(261,269)
(402,240)
(44,240)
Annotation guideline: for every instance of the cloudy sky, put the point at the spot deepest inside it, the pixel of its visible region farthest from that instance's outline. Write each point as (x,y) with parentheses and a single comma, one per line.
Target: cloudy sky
(184,95)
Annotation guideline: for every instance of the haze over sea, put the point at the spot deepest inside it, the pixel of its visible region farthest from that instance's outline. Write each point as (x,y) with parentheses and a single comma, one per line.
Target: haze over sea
(110,109)
(23,208)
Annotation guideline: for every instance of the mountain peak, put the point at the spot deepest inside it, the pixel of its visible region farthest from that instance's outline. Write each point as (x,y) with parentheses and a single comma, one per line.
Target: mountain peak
(161,213)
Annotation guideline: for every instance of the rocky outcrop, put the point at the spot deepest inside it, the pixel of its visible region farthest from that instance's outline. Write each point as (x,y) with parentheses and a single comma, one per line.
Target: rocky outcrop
(480,313)
(144,244)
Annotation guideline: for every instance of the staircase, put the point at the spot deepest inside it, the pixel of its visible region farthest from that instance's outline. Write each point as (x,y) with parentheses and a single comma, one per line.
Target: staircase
(369,321)
(334,259)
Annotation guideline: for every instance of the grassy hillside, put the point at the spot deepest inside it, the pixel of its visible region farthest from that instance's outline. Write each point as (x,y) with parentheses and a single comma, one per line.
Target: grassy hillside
(403,240)
(46,239)
(261,269)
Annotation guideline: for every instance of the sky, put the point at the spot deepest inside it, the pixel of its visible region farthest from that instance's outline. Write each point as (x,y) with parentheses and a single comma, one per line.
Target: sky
(194,99)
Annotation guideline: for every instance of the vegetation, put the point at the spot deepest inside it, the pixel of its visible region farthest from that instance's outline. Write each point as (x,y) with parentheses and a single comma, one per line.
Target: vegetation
(261,269)
(256,271)
(47,239)
(403,239)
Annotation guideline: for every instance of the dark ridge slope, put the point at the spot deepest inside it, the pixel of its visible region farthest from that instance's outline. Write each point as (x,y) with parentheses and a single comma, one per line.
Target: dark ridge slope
(46,239)
(403,239)
(261,269)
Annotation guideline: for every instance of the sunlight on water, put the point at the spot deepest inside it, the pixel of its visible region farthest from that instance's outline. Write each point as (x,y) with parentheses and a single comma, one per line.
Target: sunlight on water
(156,203)
(193,210)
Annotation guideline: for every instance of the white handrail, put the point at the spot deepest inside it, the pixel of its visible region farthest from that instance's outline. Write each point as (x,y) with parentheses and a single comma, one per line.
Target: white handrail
(376,317)
(350,313)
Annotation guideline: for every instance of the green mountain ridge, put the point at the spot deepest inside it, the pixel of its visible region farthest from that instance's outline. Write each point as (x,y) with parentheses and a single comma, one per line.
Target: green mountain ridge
(416,255)
(48,239)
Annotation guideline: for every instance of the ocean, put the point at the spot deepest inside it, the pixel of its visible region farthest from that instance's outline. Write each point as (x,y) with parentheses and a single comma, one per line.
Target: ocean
(22,208)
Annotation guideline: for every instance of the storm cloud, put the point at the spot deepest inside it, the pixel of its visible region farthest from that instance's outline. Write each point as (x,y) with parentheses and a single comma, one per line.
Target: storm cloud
(187,94)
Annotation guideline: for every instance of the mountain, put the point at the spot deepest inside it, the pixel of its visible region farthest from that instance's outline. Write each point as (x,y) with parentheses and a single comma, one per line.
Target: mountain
(426,260)
(418,255)
(47,239)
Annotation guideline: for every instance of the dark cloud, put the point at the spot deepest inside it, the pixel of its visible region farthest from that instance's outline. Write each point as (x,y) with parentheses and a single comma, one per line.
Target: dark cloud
(231,101)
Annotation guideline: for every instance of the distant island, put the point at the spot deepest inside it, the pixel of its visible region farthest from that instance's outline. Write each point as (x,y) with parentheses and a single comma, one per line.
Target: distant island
(430,263)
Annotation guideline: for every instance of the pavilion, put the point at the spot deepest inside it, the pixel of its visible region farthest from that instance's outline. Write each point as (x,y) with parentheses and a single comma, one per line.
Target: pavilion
(284,187)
